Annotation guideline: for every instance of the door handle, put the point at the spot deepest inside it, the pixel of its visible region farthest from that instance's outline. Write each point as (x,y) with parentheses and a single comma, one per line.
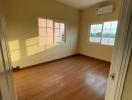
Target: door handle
(112,76)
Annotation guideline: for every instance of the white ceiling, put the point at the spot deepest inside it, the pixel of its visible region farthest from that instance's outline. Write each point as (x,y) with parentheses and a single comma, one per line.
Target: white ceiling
(80,4)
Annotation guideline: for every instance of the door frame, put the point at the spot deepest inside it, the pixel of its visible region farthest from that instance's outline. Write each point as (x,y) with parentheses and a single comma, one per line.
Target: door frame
(10,93)
(121,53)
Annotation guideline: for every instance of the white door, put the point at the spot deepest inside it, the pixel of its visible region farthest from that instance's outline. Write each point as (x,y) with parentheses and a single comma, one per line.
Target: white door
(6,81)
(121,54)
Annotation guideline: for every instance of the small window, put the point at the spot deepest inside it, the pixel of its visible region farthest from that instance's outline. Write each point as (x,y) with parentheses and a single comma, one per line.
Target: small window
(45,31)
(59,32)
(51,32)
(95,31)
(109,33)
(104,33)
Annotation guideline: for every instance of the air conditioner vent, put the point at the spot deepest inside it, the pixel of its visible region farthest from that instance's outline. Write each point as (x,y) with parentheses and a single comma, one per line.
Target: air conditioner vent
(104,10)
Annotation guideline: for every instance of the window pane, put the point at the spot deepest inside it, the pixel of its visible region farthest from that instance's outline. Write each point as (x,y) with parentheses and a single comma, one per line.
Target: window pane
(114,24)
(62,31)
(91,39)
(93,27)
(99,26)
(45,31)
(62,25)
(95,33)
(62,35)
(98,32)
(42,31)
(57,32)
(107,37)
(95,37)
(50,23)
(105,41)
(109,33)
(42,22)
(62,38)
(108,41)
(107,25)
(57,25)
(106,33)
(50,30)
(113,32)
(103,33)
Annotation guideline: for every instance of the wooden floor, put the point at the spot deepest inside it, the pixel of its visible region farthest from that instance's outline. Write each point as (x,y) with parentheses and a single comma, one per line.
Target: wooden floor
(73,78)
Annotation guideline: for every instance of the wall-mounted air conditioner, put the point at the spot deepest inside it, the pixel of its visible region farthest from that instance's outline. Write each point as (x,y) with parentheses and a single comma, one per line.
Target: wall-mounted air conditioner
(105,9)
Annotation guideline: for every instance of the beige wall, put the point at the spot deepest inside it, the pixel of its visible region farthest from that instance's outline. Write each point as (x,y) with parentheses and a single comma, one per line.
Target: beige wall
(22,27)
(88,16)
(1,7)
(127,93)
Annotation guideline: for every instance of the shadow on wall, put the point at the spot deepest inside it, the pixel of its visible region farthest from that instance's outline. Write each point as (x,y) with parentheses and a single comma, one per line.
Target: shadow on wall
(32,47)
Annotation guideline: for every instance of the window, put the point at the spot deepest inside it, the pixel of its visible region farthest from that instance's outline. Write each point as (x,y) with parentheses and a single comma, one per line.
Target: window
(103,33)
(109,33)
(45,31)
(51,32)
(95,33)
(59,32)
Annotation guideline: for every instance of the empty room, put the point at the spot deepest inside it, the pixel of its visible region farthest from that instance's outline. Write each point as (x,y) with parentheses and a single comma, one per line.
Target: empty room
(61,49)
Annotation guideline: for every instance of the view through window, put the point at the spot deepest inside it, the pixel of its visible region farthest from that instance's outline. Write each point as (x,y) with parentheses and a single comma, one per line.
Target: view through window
(104,33)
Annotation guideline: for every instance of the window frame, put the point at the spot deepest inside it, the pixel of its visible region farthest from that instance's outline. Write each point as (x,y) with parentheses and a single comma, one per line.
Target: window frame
(46,26)
(64,30)
(99,43)
(89,29)
(54,20)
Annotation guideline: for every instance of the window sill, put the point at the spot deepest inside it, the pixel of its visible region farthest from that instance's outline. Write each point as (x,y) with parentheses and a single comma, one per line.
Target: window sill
(93,43)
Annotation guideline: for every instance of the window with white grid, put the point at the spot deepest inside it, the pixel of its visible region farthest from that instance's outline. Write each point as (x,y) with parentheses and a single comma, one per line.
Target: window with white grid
(104,33)
(51,31)
(59,32)
(95,33)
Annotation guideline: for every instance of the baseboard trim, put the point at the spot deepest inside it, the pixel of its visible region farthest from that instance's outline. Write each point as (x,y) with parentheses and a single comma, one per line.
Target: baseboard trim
(93,58)
(48,62)
(60,59)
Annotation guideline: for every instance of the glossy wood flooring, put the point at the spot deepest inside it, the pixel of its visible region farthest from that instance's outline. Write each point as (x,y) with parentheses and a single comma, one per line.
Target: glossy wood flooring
(74,78)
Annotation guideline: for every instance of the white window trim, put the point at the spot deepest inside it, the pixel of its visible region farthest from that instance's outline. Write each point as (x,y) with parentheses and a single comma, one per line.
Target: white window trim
(99,43)
(64,30)
(89,29)
(54,20)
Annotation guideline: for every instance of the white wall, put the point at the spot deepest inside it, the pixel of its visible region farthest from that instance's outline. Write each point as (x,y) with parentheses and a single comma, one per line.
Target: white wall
(22,26)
